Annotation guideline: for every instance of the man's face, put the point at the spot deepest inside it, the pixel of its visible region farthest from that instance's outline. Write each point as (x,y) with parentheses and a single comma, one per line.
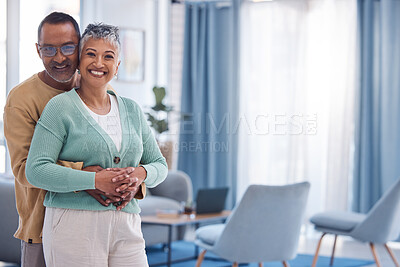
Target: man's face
(60,67)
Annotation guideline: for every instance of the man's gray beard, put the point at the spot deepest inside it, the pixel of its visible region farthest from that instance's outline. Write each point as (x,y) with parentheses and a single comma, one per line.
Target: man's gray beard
(60,81)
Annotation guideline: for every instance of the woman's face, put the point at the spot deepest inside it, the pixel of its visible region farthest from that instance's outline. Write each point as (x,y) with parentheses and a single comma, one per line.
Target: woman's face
(99,62)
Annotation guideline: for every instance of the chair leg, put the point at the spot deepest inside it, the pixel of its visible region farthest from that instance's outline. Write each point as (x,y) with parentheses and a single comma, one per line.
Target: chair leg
(285,264)
(200,258)
(374,254)
(392,255)
(314,263)
(333,251)
(235,264)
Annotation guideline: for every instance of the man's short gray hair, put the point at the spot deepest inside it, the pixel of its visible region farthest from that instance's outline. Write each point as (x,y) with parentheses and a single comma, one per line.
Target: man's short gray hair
(101,31)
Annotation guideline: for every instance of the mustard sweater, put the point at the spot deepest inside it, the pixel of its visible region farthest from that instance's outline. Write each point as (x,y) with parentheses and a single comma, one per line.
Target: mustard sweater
(25,103)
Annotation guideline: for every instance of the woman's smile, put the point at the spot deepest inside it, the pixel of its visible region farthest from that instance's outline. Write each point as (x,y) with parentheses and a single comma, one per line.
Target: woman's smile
(97,73)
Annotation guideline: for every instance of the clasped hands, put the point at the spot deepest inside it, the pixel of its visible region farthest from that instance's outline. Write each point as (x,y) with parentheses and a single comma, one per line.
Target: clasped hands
(118,185)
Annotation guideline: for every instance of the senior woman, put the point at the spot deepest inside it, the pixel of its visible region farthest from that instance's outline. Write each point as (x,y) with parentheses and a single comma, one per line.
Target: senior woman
(94,126)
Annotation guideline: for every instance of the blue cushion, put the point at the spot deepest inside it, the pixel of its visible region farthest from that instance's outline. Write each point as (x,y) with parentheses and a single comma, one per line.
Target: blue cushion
(210,233)
(338,220)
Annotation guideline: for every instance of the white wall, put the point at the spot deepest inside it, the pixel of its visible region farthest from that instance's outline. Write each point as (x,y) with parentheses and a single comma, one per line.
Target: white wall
(135,14)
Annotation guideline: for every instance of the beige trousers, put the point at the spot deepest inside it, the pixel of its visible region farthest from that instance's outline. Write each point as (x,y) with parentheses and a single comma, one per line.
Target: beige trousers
(93,238)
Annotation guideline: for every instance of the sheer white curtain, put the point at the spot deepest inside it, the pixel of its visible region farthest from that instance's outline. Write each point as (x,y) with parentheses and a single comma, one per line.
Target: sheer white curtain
(297,96)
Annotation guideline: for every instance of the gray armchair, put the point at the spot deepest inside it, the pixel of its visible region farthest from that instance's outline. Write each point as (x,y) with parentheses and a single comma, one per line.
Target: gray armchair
(265,226)
(10,247)
(379,226)
(176,188)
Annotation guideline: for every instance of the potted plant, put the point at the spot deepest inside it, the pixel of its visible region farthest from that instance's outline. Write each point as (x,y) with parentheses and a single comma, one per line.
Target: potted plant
(158,116)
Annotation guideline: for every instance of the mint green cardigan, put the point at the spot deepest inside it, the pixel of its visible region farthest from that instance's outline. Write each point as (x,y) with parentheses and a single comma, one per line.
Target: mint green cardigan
(67,131)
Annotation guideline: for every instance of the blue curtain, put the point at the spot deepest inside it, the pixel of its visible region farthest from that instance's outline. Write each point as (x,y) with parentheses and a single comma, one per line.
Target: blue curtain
(377,143)
(208,137)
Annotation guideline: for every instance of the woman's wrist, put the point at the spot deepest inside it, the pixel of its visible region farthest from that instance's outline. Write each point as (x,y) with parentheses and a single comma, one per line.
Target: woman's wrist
(145,172)
(96,181)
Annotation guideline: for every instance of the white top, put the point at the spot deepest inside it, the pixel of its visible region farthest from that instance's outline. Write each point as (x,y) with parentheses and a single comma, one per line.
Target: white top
(110,122)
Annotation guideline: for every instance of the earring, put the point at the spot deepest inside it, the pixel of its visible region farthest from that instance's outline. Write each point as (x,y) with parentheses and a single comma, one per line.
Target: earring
(79,72)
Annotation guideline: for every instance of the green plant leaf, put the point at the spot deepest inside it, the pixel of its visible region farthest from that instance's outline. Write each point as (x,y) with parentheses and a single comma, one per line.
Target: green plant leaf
(159,93)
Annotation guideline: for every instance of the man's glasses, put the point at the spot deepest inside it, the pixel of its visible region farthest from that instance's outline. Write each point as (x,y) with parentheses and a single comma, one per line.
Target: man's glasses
(51,51)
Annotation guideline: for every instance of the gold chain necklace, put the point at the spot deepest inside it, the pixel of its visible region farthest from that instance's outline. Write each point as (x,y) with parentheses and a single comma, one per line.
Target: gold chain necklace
(84,101)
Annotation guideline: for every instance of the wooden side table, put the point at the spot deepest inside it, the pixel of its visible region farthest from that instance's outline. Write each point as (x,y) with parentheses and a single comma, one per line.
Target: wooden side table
(179,221)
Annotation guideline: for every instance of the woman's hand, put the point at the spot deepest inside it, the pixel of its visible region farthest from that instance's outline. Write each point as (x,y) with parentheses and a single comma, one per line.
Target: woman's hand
(129,192)
(138,175)
(109,181)
(97,194)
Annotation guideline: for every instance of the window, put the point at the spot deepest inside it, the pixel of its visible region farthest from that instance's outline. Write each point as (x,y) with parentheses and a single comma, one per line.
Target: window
(3,38)
(297,96)
(177,27)
(30,62)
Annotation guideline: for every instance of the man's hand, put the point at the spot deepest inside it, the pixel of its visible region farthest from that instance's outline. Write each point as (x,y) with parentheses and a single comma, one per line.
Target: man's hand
(97,194)
(92,168)
(125,202)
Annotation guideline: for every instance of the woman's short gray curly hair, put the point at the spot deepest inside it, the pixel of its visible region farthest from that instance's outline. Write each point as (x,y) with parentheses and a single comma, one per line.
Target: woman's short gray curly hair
(100,31)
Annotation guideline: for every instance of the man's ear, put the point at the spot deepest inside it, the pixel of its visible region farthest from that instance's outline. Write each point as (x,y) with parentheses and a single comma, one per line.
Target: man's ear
(38,50)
